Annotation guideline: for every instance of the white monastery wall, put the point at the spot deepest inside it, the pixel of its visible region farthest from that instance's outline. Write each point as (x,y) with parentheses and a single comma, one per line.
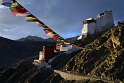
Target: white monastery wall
(102,22)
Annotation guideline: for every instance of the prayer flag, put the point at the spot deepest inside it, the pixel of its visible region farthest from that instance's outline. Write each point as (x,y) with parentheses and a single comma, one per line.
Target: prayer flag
(6,4)
(31,18)
(20,12)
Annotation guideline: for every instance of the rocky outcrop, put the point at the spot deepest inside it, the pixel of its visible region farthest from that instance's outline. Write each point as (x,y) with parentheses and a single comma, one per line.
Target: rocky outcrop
(101,58)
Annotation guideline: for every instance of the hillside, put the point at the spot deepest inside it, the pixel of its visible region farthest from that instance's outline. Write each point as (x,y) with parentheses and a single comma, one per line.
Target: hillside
(13,51)
(101,58)
(99,61)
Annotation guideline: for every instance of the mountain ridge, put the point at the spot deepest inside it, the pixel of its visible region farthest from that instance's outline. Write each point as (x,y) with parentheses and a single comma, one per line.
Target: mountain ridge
(36,38)
(101,57)
(12,51)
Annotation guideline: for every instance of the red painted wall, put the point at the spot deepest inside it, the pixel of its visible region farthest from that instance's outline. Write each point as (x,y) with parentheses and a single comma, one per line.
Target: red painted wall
(48,52)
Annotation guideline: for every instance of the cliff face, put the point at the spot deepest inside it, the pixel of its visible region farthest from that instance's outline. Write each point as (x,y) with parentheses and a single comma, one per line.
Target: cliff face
(101,59)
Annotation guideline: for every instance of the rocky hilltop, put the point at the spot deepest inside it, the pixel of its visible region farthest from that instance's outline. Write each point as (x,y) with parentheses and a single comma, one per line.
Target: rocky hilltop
(99,61)
(102,58)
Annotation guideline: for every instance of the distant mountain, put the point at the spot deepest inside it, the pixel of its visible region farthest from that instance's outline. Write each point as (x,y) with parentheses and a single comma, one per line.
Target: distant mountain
(35,38)
(13,51)
(31,38)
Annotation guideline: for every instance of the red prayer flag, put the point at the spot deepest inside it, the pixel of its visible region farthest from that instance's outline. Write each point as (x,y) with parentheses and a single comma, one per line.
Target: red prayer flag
(20,12)
(48,31)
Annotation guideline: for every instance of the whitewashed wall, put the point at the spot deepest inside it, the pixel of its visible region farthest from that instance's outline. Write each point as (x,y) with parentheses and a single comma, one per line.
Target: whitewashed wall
(85,29)
(91,28)
(65,47)
(102,23)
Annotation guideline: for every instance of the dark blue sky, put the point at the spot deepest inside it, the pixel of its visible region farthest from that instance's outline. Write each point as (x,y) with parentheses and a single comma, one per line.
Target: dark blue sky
(63,16)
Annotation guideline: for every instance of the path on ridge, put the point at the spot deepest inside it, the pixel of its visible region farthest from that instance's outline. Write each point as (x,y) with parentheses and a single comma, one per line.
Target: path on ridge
(68,76)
